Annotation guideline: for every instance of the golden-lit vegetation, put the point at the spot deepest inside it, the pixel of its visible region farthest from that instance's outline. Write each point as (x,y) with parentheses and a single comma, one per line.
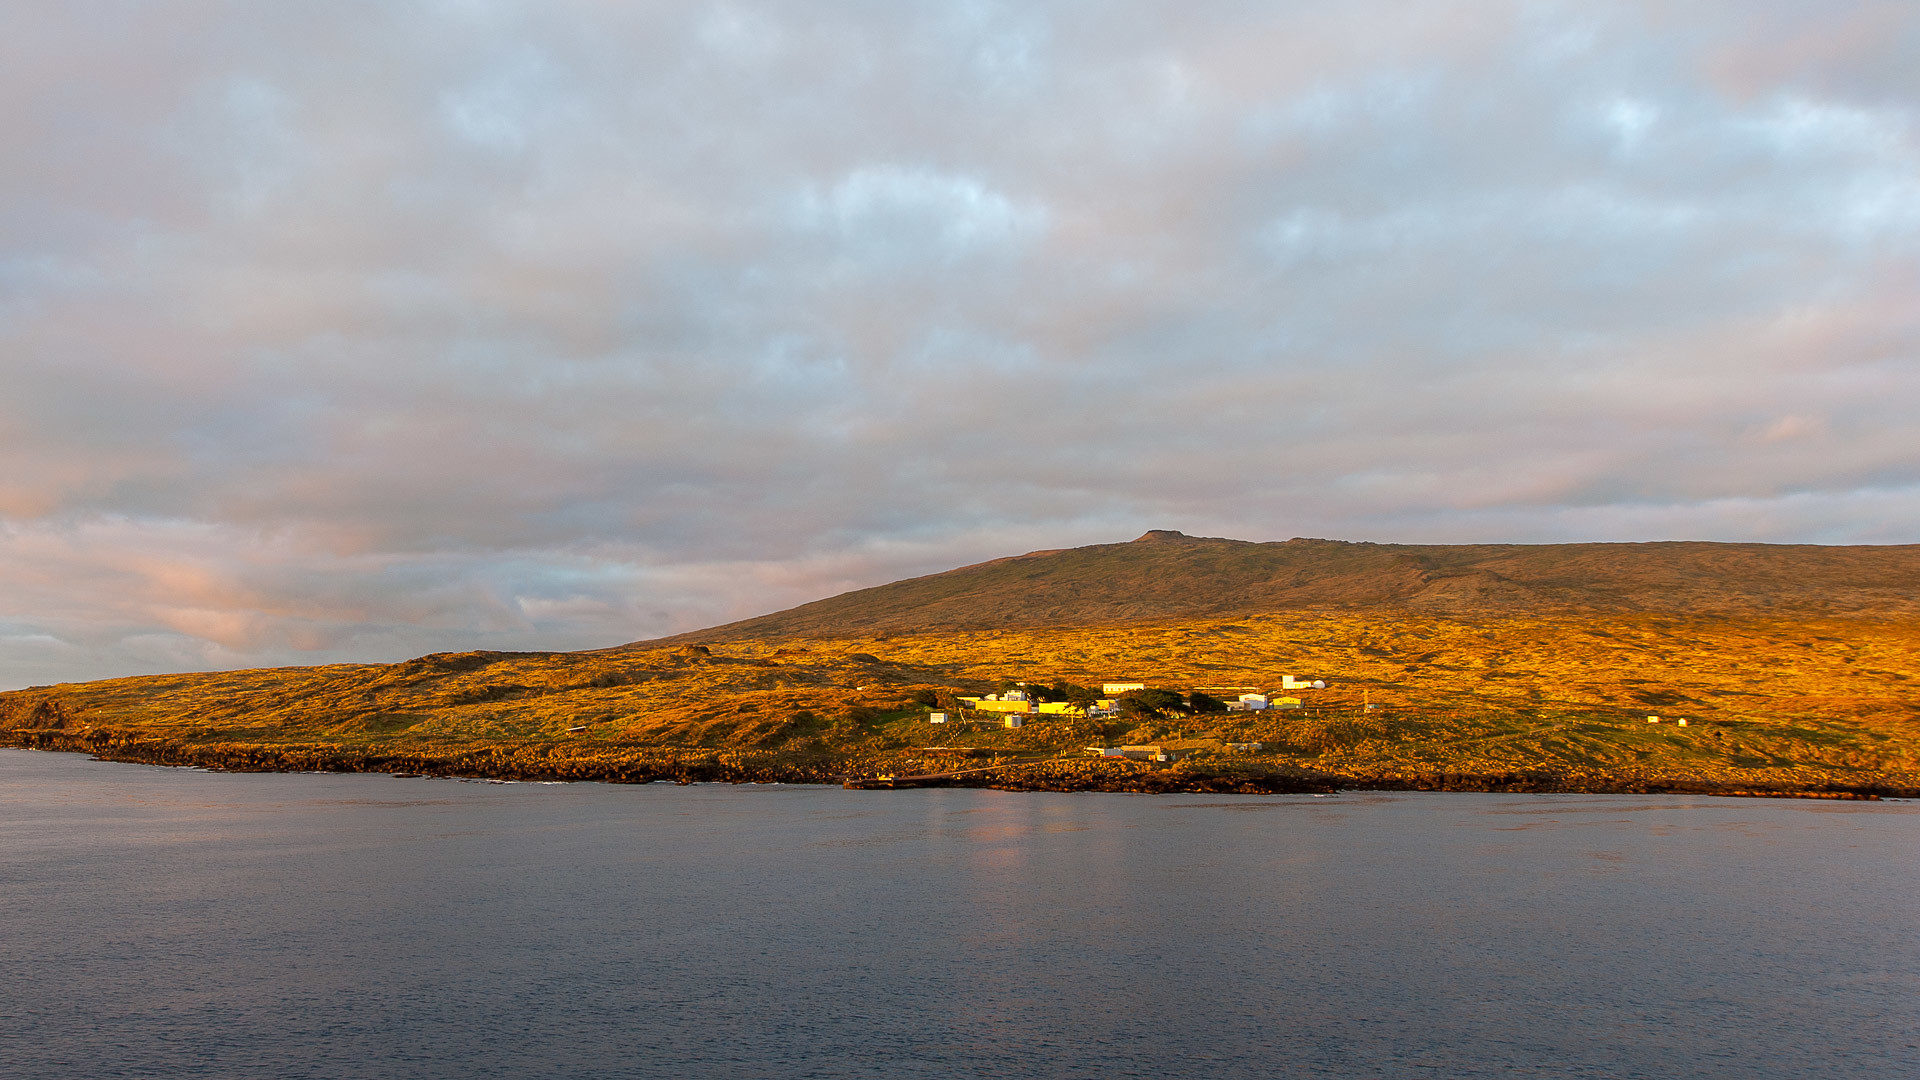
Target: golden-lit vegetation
(1549,703)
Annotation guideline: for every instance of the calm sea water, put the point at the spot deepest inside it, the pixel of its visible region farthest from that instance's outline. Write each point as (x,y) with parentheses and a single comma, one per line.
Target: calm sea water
(172,923)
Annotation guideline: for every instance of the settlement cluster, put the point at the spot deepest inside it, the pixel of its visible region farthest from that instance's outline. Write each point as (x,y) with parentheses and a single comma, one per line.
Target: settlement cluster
(1014,707)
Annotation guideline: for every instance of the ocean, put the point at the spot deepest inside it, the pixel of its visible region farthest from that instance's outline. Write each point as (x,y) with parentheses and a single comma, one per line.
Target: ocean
(181,923)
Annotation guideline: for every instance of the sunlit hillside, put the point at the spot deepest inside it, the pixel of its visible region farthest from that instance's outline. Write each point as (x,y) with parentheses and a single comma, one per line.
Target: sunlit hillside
(1456,701)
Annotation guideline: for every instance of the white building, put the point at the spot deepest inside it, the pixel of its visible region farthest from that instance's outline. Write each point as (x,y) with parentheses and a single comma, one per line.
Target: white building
(1112,688)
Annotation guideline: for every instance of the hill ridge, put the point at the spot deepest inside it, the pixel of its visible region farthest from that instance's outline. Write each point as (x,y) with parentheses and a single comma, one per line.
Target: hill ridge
(1167,574)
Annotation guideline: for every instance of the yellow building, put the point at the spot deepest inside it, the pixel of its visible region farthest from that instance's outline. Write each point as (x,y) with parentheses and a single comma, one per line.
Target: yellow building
(989,705)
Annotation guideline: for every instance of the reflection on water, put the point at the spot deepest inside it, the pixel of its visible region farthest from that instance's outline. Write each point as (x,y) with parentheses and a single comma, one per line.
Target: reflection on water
(176,923)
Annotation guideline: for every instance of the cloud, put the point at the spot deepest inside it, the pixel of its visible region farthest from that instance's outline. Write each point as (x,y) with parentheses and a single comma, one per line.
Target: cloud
(356,331)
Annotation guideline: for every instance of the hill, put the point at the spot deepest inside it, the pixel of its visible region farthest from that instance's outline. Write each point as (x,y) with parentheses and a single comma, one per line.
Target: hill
(1166,575)
(1796,669)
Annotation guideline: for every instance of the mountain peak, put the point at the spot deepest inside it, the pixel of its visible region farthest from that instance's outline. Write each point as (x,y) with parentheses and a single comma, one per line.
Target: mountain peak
(1161,536)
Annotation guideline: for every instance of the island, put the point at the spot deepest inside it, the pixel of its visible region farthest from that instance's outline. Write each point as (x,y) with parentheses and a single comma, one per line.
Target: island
(1168,664)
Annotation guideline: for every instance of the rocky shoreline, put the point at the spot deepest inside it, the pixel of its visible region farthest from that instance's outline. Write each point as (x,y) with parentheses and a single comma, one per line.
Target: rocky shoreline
(700,765)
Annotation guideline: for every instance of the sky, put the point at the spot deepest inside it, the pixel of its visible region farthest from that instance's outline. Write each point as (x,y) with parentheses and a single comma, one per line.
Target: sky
(361,330)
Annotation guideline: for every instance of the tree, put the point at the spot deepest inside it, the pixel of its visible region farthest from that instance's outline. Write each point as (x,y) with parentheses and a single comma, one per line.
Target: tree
(1073,694)
(1205,703)
(1152,703)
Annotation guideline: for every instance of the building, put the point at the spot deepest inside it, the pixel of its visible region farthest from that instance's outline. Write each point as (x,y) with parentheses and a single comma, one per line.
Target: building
(1114,689)
(1059,708)
(1285,703)
(993,704)
(1015,721)
(1288,682)
(936,718)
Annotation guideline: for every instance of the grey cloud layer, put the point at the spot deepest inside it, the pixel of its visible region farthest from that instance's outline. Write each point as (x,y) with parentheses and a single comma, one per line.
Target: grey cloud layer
(358,330)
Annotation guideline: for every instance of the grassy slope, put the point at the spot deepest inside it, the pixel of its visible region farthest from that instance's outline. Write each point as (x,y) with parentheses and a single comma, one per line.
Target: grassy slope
(1167,576)
(1796,701)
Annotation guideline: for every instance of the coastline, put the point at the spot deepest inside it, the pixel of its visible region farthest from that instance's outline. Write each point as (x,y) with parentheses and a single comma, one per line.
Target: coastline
(686,765)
